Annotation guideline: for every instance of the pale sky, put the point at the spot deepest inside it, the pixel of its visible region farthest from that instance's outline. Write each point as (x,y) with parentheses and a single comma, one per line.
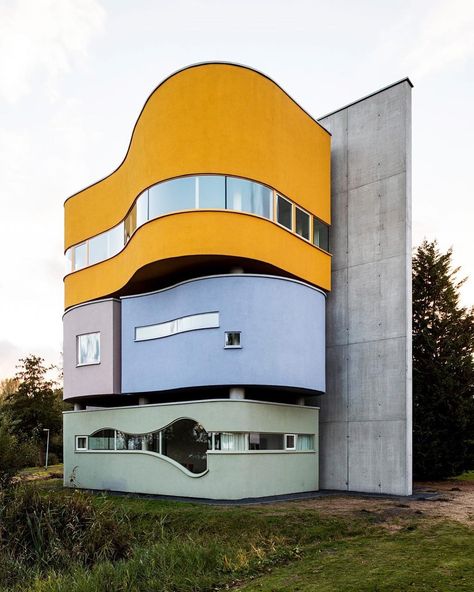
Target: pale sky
(74,75)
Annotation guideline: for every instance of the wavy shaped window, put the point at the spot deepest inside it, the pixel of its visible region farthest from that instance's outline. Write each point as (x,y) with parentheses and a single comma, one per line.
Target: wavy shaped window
(186,442)
(216,192)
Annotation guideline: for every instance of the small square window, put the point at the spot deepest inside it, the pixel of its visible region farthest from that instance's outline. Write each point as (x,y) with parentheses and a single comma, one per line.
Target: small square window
(290,441)
(232,339)
(81,442)
(88,349)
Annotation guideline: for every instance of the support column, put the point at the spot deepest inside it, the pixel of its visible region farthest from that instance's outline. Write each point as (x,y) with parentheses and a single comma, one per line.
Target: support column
(237,392)
(79,407)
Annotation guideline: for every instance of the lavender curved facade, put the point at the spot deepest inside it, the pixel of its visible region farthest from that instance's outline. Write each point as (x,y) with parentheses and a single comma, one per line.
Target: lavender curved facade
(282,335)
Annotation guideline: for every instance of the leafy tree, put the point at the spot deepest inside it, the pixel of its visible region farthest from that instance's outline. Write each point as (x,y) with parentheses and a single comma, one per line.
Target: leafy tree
(34,405)
(443,368)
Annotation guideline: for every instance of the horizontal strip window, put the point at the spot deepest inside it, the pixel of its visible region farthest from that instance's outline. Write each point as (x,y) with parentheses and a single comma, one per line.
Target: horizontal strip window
(207,320)
(210,192)
(187,442)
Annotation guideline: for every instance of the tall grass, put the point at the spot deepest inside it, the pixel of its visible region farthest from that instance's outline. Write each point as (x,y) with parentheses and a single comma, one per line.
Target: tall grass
(51,532)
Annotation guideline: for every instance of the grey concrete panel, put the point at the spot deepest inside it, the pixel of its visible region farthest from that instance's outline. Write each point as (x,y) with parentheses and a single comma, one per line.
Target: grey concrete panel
(375,382)
(376,135)
(376,300)
(337,126)
(376,220)
(337,322)
(338,234)
(333,468)
(334,404)
(96,379)
(377,464)
(368,400)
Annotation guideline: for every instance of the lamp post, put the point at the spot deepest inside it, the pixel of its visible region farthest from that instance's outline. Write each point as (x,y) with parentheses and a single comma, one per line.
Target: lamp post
(47,447)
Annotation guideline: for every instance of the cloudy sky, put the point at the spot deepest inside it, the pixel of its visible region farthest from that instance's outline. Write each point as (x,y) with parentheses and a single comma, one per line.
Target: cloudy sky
(74,75)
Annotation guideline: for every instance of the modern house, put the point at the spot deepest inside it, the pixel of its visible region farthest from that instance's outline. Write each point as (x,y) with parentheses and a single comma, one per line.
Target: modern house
(195,348)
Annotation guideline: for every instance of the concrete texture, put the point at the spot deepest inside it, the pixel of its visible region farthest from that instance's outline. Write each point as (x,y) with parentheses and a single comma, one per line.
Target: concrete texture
(282,324)
(230,475)
(97,379)
(366,415)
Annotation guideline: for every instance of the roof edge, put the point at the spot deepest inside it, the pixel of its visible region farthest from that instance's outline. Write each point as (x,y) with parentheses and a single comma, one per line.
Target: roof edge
(406,79)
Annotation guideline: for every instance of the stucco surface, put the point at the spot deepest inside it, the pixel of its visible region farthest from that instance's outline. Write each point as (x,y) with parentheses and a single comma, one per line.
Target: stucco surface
(282,324)
(229,475)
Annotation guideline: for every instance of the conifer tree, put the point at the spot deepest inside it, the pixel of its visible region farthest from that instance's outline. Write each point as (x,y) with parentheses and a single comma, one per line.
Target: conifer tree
(443,368)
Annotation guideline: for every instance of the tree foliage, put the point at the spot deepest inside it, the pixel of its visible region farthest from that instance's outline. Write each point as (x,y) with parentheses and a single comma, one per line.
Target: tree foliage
(443,368)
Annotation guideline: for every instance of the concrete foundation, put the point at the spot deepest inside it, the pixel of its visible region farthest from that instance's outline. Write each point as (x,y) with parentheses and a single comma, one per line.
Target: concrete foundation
(366,414)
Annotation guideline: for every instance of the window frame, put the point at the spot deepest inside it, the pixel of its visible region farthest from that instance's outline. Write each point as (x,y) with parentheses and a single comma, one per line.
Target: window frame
(80,448)
(277,213)
(295,438)
(310,216)
(232,346)
(79,364)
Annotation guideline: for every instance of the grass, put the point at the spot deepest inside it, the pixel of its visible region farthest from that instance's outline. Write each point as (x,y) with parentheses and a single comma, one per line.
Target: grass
(290,547)
(41,472)
(467,476)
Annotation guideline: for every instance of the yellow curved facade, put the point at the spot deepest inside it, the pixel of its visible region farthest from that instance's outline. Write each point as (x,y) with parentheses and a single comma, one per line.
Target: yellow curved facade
(212,118)
(180,235)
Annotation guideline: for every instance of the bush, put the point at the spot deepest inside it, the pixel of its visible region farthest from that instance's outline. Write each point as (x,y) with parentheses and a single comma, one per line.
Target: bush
(13,456)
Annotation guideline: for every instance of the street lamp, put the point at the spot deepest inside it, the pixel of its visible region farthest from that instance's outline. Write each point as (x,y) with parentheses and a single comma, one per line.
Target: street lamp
(47,448)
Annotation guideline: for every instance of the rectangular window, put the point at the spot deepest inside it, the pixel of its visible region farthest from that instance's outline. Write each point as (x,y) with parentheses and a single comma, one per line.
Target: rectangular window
(232,339)
(266,441)
(305,442)
(171,196)
(320,234)
(207,320)
(290,441)
(247,196)
(302,223)
(142,208)
(285,213)
(80,256)
(81,442)
(210,192)
(88,349)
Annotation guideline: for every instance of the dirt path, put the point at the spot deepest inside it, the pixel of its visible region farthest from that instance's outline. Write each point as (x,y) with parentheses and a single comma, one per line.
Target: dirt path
(455,501)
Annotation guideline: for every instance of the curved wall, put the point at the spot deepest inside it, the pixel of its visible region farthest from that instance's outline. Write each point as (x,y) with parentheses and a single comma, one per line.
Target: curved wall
(282,325)
(212,118)
(195,234)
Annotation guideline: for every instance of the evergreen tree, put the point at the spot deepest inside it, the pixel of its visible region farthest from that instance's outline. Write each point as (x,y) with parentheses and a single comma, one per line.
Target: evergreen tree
(443,368)
(35,404)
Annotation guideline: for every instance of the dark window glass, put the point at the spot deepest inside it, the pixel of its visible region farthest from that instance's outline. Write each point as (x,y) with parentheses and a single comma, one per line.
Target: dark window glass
(302,223)
(211,191)
(266,441)
(232,339)
(320,234)
(185,441)
(171,196)
(284,212)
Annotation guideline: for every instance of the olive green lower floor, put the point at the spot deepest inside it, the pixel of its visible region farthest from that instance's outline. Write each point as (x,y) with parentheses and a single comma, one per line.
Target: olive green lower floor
(250,449)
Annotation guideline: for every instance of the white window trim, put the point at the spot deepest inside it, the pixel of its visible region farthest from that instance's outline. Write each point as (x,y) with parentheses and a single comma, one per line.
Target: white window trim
(295,436)
(293,216)
(79,365)
(310,219)
(77,448)
(232,346)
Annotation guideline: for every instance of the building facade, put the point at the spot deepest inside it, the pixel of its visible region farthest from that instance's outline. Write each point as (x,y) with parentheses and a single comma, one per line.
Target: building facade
(198,299)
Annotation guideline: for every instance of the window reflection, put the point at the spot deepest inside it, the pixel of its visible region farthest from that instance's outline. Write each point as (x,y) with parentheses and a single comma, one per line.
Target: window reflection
(171,196)
(320,234)
(186,442)
(197,192)
(102,440)
(302,223)
(88,349)
(250,197)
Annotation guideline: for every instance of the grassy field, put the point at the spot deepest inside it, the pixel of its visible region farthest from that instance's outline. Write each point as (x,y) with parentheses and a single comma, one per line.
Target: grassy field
(339,544)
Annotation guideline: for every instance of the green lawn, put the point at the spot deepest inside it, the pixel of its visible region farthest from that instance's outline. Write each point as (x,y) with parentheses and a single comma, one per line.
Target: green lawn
(288,547)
